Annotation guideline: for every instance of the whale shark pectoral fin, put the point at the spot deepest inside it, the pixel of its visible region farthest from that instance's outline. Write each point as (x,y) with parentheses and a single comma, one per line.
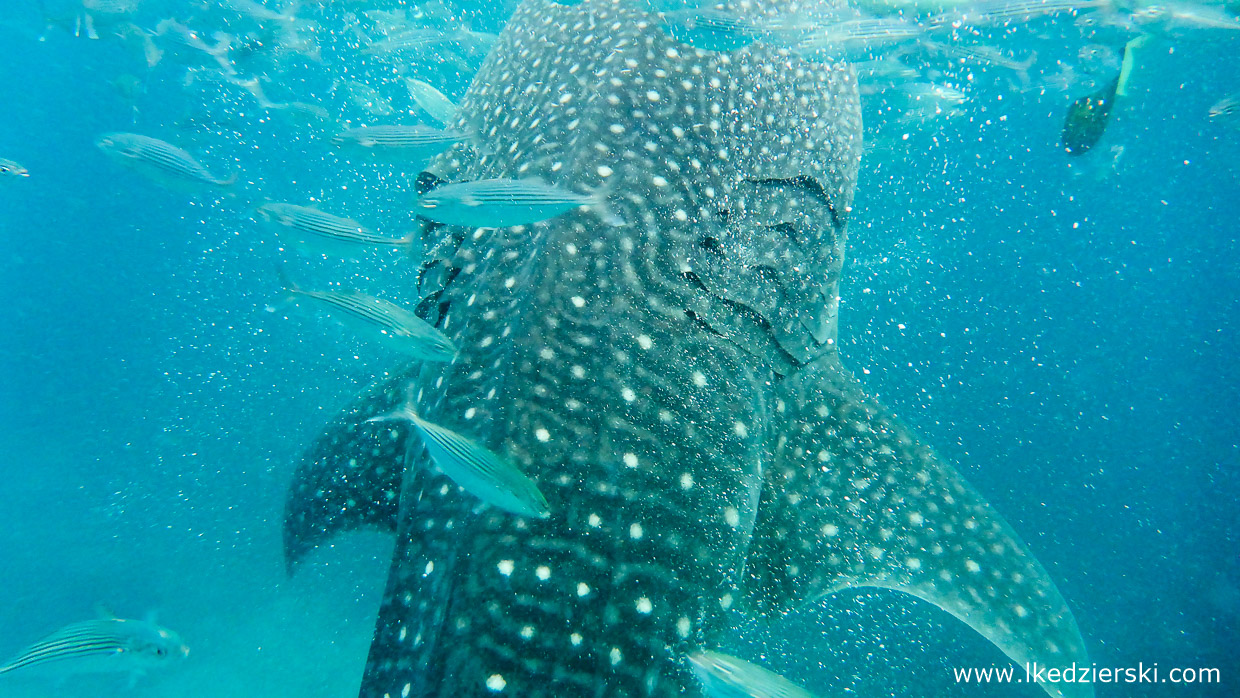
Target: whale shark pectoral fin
(351,476)
(853,499)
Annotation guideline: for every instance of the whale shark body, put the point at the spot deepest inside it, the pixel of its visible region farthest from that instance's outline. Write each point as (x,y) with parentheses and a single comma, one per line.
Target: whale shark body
(672,384)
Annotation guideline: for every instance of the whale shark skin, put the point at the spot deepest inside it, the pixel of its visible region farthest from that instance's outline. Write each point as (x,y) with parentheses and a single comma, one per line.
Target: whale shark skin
(672,384)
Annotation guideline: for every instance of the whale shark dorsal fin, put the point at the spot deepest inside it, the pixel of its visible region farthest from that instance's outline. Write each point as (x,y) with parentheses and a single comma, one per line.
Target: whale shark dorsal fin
(350,477)
(853,499)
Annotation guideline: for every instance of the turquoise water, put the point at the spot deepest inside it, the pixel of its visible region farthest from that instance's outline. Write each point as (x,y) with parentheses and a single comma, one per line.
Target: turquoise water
(1063,329)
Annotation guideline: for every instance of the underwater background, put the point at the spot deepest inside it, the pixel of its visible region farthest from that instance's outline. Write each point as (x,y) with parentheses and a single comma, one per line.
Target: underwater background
(1064,329)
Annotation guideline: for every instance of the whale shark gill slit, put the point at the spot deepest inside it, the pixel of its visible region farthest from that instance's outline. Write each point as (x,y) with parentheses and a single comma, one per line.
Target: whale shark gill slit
(810,185)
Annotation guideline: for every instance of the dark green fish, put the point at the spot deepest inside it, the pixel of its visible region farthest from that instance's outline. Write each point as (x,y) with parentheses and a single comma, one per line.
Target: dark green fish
(1087,119)
(1088,116)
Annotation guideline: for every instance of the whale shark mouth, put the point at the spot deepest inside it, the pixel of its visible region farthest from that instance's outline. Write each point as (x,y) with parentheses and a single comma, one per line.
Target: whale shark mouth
(672,384)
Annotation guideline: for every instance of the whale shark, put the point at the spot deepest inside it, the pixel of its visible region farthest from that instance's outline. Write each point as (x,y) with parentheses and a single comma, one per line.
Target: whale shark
(673,385)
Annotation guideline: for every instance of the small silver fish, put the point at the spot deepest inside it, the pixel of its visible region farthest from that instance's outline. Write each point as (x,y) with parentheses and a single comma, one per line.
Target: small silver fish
(725,676)
(927,101)
(1176,18)
(710,29)
(111,7)
(12,168)
(259,12)
(101,645)
(859,38)
(985,55)
(300,112)
(410,40)
(380,320)
(430,100)
(314,232)
(158,160)
(500,203)
(365,97)
(413,142)
(478,470)
(101,12)
(985,13)
(1226,108)
(181,37)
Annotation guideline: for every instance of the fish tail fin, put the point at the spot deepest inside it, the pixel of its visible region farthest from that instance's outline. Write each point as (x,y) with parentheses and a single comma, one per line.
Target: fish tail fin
(289,290)
(600,207)
(1023,68)
(411,245)
(223,44)
(405,412)
(1128,63)
(289,10)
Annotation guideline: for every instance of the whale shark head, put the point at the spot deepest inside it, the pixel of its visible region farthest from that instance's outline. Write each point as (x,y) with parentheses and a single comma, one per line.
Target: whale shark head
(672,384)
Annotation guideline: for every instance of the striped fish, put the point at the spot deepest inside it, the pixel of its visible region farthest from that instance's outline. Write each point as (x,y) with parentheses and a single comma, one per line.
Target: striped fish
(477,469)
(710,29)
(12,168)
(1002,12)
(416,39)
(985,54)
(111,7)
(859,37)
(380,320)
(1226,107)
(430,100)
(158,160)
(725,676)
(101,645)
(414,142)
(499,203)
(314,232)
(365,97)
